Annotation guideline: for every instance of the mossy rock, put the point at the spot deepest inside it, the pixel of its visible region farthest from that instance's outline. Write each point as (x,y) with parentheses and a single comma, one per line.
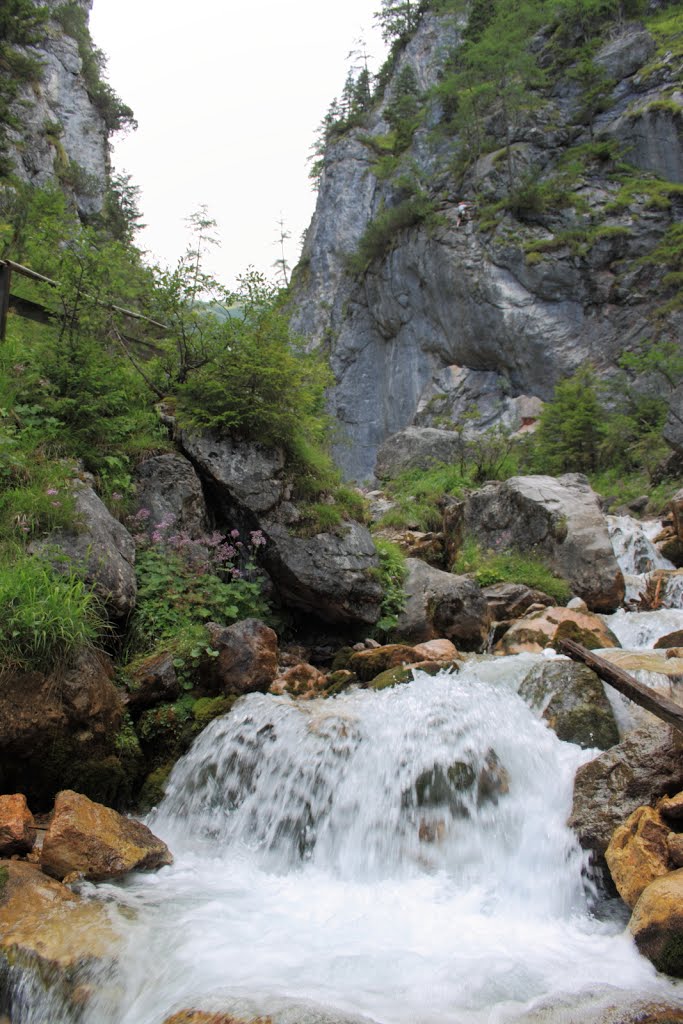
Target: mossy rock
(438,786)
(572,701)
(342,658)
(4,876)
(569,630)
(404,674)
(208,708)
(369,664)
(339,681)
(154,787)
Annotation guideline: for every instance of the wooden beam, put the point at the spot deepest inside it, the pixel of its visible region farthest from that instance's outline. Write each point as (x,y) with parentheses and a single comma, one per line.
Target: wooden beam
(33,275)
(5,281)
(647,698)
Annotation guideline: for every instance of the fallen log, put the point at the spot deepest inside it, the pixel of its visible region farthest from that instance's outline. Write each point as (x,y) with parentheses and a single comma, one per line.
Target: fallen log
(647,698)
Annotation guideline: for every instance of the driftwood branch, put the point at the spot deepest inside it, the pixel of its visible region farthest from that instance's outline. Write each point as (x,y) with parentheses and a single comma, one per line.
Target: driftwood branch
(647,698)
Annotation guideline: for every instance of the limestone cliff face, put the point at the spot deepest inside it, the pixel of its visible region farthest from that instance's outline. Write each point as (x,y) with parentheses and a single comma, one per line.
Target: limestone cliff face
(494,314)
(62,136)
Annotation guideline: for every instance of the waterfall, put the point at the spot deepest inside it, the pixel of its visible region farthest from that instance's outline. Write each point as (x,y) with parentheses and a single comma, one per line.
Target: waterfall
(399,855)
(634,549)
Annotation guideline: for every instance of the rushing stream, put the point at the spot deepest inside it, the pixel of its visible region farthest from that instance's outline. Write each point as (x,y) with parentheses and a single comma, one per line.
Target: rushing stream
(400,854)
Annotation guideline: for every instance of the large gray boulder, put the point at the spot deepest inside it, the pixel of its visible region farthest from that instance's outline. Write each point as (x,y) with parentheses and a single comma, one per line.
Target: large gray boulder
(246,476)
(440,604)
(331,575)
(556,518)
(168,486)
(101,547)
(416,448)
(626,53)
(647,764)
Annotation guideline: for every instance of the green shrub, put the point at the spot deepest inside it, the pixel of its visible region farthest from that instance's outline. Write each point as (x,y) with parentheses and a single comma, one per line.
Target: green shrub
(488,567)
(183,584)
(48,617)
(392,572)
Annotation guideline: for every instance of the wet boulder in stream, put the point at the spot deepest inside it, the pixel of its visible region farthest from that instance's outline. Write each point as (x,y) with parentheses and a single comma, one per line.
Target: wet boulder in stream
(572,700)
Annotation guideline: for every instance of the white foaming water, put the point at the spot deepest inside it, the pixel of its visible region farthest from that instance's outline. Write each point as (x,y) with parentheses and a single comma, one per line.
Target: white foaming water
(632,541)
(399,854)
(641,630)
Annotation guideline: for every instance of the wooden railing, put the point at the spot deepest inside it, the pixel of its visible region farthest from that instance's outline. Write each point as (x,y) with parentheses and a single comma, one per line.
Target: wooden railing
(37,311)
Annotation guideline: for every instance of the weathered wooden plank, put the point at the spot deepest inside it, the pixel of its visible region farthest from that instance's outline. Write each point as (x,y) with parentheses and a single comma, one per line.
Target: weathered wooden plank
(30,310)
(647,698)
(5,281)
(19,268)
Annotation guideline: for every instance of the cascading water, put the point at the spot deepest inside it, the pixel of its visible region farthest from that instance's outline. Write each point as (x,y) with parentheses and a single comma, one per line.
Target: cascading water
(400,854)
(634,548)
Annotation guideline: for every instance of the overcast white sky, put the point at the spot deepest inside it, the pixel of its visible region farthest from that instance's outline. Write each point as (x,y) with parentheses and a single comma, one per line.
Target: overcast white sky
(228,97)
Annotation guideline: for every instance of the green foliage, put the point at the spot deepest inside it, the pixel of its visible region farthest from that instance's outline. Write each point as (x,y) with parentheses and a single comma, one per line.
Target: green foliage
(600,428)
(488,567)
(4,878)
(417,208)
(669,253)
(22,23)
(418,493)
(255,379)
(48,617)
(392,574)
(184,584)
(571,427)
(398,19)
(115,113)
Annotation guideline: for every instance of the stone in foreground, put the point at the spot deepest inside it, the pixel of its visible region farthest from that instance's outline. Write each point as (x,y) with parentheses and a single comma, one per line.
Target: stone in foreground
(48,931)
(657,923)
(97,842)
(17,828)
(638,853)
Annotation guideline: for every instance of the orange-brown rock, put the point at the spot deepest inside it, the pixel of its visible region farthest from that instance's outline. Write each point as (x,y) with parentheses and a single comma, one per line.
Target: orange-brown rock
(247,656)
(548,626)
(638,853)
(98,842)
(17,828)
(674,841)
(368,664)
(43,924)
(436,650)
(303,681)
(657,923)
(671,806)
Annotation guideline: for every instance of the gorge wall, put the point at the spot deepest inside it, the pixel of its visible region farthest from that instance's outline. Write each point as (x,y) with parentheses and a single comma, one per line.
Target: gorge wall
(66,113)
(483,319)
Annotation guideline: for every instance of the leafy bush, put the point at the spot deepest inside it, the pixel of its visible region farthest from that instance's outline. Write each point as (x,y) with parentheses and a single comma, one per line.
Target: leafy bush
(418,208)
(184,583)
(488,567)
(392,573)
(48,617)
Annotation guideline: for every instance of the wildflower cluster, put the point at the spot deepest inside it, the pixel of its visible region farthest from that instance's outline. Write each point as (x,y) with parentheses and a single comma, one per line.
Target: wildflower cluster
(185,582)
(228,557)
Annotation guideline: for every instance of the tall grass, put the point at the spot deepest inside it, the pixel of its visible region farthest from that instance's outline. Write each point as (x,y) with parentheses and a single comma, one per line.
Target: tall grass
(47,618)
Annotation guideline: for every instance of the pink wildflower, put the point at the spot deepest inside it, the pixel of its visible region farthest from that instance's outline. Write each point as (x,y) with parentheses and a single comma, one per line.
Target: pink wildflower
(52,490)
(235,534)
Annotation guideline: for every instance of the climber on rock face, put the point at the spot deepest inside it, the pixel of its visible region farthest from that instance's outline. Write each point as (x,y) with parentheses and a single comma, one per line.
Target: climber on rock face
(462,212)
